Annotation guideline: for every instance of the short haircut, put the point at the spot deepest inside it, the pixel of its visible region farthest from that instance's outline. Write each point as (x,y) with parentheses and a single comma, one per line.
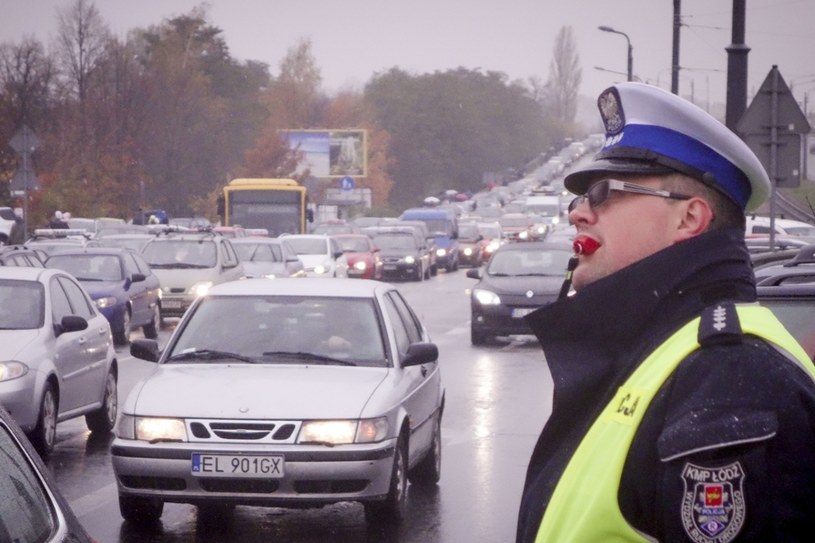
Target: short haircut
(726,213)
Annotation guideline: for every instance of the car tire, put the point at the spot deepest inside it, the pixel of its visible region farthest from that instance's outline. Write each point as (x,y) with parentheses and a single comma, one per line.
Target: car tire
(427,273)
(103,420)
(151,328)
(434,270)
(121,335)
(139,510)
(478,337)
(44,434)
(394,507)
(419,273)
(428,471)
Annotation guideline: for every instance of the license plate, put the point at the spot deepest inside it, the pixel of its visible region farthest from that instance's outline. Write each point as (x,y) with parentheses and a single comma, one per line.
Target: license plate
(227,465)
(390,267)
(171,304)
(519,312)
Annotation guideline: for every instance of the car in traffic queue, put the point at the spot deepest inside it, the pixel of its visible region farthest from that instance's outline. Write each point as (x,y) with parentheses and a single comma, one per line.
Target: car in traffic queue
(470,244)
(187,264)
(20,255)
(296,394)
(364,260)
(493,238)
(799,268)
(268,257)
(516,226)
(794,305)
(32,508)
(321,255)
(52,240)
(135,241)
(519,278)
(57,359)
(403,253)
(120,283)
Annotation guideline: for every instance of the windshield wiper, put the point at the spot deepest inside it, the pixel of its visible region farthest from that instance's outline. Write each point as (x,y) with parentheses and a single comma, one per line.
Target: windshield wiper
(210,354)
(313,357)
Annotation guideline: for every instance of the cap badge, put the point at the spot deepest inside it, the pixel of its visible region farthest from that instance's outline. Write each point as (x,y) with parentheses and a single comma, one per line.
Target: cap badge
(611,110)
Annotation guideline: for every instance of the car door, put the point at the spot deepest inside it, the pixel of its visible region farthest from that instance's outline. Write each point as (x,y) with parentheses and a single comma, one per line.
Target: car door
(231,268)
(72,355)
(137,291)
(421,385)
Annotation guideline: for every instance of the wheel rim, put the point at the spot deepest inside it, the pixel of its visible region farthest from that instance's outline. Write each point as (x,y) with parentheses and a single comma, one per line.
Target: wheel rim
(111,400)
(49,418)
(126,323)
(401,477)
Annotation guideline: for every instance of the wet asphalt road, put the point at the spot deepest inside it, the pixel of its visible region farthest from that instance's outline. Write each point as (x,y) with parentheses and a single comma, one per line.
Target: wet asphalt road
(497,400)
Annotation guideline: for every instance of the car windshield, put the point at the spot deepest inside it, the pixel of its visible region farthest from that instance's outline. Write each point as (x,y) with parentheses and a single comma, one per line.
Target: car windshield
(468,231)
(308,246)
(356,245)
(259,252)
(532,262)
(282,329)
(88,267)
(180,253)
(16,294)
(395,242)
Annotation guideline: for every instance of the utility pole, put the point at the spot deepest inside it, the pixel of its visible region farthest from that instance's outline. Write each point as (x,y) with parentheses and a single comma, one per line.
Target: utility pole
(675,54)
(736,68)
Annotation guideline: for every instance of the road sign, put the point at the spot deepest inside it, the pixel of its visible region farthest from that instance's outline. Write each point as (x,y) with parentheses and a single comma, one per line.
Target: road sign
(347,183)
(773,126)
(24,141)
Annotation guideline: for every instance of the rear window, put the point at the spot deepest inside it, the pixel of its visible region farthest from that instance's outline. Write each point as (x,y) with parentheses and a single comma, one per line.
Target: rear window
(16,294)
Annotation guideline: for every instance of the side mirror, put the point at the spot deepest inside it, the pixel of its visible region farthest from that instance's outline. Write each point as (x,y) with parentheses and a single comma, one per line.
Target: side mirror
(70,323)
(421,353)
(474,273)
(138,277)
(145,349)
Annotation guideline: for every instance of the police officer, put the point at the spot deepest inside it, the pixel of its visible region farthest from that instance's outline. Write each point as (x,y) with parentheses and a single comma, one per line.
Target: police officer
(682,410)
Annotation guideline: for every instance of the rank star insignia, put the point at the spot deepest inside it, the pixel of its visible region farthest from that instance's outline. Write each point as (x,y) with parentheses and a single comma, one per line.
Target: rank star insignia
(713,507)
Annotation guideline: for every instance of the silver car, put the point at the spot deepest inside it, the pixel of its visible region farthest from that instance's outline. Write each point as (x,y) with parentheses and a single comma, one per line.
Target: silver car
(284,393)
(56,358)
(189,263)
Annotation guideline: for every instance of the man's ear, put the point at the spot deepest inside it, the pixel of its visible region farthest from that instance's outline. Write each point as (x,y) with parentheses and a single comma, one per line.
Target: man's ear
(694,219)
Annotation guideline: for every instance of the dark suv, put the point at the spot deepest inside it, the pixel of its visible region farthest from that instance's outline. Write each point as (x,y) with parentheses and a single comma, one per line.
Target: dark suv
(403,253)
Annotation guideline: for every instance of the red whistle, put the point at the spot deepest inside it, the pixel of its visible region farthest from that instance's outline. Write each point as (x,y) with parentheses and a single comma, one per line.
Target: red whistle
(585,245)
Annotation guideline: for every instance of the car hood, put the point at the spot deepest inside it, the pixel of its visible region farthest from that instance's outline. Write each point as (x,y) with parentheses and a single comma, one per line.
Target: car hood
(310,261)
(259,269)
(13,342)
(259,391)
(521,284)
(98,289)
(184,278)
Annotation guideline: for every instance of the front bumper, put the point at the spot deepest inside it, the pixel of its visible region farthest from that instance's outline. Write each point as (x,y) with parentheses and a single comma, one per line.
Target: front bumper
(313,474)
(175,305)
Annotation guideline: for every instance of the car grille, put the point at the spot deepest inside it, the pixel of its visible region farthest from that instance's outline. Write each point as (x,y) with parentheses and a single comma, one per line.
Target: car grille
(215,431)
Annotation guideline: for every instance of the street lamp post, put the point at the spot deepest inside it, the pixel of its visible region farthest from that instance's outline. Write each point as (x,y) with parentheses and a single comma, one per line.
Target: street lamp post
(630,49)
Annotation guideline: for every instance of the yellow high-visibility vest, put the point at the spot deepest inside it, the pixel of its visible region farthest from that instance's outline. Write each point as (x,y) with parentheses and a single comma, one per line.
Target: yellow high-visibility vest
(584,506)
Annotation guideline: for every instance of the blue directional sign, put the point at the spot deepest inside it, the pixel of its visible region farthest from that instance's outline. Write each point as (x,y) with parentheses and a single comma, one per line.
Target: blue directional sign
(347,183)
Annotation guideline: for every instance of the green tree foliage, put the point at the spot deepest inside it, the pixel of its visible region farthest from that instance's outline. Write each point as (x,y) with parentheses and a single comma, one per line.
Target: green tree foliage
(448,128)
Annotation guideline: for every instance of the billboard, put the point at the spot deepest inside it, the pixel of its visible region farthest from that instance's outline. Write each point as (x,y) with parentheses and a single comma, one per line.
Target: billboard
(330,153)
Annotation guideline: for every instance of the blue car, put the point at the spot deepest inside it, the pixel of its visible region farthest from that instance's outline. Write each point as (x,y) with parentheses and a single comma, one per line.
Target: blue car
(120,283)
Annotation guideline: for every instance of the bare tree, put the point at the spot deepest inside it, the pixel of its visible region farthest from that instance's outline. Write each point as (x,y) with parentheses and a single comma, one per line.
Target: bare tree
(83,38)
(565,75)
(298,87)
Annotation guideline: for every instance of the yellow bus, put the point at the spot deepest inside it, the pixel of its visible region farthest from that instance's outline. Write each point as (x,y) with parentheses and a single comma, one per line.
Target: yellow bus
(278,205)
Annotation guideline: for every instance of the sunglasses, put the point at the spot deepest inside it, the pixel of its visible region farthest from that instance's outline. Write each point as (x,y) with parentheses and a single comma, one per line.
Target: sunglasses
(599,192)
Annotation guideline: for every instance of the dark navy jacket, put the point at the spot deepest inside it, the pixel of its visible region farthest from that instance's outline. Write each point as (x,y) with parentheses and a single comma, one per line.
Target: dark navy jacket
(735,400)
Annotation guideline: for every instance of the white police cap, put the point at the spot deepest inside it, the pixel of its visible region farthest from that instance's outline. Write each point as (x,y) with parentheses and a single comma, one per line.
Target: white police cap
(651,131)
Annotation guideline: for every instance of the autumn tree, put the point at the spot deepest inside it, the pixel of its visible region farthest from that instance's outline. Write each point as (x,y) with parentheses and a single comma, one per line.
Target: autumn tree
(449,128)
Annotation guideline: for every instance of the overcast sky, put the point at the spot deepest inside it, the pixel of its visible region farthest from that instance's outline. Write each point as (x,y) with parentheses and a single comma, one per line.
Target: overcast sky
(353,39)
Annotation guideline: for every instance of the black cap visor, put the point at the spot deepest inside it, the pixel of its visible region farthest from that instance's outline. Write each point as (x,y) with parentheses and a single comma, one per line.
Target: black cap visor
(578,182)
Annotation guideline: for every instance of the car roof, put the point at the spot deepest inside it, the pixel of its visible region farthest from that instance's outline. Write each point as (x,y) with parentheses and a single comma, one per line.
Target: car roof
(256,241)
(94,251)
(294,286)
(27,273)
(535,246)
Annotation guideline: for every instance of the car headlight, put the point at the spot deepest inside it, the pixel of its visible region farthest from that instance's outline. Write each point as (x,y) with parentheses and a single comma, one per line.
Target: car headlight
(107,301)
(200,289)
(555,220)
(409,259)
(152,429)
(269,276)
(360,265)
(441,252)
(12,369)
(486,297)
(468,251)
(492,246)
(343,432)
(523,235)
(322,268)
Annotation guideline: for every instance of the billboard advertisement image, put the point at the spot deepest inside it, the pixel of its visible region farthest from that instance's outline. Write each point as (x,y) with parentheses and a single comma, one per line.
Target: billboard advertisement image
(329,153)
